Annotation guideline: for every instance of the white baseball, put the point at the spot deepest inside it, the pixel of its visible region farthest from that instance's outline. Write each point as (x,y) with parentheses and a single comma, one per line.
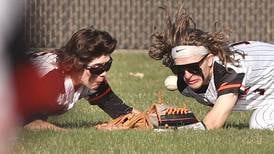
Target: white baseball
(171,82)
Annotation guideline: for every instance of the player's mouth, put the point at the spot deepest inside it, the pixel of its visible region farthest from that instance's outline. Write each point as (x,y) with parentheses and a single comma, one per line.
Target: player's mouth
(192,82)
(98,83)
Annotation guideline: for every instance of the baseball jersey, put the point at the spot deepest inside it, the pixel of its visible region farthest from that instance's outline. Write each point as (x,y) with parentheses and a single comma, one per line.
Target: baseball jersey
(62,95)
(252,78)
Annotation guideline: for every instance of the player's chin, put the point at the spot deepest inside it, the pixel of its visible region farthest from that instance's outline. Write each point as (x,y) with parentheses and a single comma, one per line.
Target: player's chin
(195,86)
(95,86)
(92,86)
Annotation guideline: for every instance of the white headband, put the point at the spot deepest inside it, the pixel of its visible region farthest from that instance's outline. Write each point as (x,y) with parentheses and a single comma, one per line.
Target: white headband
(187,51)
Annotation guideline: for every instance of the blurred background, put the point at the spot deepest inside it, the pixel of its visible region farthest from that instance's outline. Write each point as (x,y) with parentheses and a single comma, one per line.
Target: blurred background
(50,23)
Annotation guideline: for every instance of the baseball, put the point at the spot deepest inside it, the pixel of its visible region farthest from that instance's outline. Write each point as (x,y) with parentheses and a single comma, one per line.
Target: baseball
(171,82)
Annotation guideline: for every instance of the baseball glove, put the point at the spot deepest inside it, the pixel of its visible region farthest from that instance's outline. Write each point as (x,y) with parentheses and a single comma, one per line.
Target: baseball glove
(164,116)
(158,116)
(128,121)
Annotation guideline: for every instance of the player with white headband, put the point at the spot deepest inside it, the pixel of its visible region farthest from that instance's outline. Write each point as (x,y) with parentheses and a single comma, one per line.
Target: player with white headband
(225,76)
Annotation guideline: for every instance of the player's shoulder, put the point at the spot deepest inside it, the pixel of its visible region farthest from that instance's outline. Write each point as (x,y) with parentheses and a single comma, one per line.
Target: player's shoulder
(98,93)
(246,46)
(228,72)
(227,79)
(44,61)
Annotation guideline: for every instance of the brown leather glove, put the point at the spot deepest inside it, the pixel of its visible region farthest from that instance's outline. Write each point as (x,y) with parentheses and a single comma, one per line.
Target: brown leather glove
(128,121)
(157,116)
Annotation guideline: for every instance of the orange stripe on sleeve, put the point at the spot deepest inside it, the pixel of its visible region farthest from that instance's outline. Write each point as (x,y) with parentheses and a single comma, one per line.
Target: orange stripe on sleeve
(225,86)
(102,95)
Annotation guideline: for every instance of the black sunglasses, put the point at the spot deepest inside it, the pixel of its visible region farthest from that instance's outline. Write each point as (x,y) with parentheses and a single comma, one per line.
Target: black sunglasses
(100,68)
(193,68)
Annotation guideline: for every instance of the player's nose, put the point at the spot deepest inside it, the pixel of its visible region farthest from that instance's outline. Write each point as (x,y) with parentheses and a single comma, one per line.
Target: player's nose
(103,74)
(187,74)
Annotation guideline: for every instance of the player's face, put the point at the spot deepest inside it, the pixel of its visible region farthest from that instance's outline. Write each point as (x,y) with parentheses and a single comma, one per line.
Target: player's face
(195,73)
(95,72)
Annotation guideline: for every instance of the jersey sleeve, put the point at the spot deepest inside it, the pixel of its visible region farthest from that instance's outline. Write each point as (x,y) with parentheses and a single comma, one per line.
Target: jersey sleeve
(108,101)
(44,61)
(227,81)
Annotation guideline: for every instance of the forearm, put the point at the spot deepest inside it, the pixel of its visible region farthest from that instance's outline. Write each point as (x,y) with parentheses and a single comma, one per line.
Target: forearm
(113,105)
(214,122)
(42,125)
(108,101)
(217,116)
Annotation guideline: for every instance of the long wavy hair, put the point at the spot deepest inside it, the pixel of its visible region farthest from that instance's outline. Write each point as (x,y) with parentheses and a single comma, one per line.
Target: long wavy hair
(181,30)
(84,46)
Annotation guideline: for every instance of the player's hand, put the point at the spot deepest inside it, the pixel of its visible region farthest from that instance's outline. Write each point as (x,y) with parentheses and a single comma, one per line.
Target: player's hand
(135,111)
(43,125)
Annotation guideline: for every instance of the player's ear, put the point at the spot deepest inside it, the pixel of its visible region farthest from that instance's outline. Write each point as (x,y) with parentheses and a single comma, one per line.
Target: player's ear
(210,60)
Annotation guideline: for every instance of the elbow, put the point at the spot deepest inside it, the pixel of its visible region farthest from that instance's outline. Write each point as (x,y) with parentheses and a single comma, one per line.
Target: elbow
(212,124)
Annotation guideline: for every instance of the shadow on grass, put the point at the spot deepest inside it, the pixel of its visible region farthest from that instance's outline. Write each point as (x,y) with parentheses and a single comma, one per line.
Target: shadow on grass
(237,125)
(88,124)
(82,124)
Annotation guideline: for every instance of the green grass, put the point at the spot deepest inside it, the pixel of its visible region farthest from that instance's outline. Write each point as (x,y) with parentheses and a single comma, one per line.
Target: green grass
(235,137)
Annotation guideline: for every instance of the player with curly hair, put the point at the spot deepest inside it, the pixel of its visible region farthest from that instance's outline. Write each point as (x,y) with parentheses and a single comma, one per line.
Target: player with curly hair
(216,73)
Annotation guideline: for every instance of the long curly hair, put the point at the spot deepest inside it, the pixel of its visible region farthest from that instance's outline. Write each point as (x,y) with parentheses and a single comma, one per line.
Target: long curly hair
(84,46)
(181,30)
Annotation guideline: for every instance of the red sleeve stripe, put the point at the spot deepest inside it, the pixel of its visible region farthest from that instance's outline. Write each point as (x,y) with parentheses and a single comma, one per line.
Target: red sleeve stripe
(102,95)
(222,87)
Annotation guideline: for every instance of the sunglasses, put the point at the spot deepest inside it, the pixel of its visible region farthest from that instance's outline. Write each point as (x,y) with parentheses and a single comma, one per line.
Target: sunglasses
(193,68)
(100,68)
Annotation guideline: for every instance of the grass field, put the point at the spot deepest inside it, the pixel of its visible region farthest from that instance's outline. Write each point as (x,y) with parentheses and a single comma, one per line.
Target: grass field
(235,137)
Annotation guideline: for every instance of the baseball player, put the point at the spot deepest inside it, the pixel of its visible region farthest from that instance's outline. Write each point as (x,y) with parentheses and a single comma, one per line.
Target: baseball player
(78,70)
(225,76)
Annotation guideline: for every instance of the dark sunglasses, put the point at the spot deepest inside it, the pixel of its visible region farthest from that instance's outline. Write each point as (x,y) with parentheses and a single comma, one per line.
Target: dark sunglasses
(193,68)
(100,68)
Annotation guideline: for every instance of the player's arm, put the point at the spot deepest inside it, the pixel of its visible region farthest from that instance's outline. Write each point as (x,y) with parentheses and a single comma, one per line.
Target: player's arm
(42,125)
(228,84)
(217,116)
(109,102)
(113,105)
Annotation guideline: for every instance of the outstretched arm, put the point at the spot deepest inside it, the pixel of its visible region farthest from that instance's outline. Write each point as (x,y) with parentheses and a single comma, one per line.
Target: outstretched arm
(113,105)
(217,116)
(109,102)
(42,125)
